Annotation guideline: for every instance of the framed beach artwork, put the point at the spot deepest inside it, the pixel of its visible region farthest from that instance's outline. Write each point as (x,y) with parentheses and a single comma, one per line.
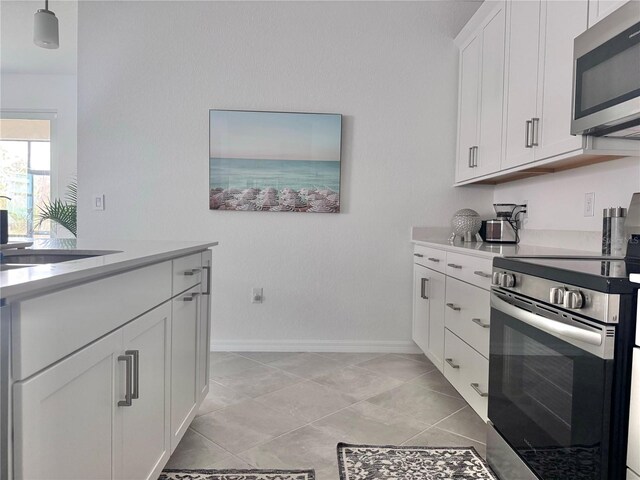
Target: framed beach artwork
(274,161)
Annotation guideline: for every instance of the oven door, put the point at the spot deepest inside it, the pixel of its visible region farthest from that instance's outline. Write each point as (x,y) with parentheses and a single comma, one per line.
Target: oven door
(549,397)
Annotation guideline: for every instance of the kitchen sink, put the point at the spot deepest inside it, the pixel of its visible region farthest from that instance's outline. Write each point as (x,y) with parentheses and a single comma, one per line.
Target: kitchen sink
(31,257)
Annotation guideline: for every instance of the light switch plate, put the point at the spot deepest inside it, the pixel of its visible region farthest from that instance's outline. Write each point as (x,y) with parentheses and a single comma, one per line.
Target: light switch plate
(98,202)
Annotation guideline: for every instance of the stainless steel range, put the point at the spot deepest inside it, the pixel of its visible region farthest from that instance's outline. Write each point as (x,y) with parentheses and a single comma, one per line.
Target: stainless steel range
(559,368)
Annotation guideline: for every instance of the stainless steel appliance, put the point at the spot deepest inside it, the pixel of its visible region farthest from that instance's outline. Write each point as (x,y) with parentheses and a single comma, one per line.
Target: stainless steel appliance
(559,367)
(606,76)
(504,228)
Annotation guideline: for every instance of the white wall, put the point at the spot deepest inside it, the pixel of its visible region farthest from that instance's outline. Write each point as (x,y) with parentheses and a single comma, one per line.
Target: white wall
(51,93)
(149,73)
(556,201)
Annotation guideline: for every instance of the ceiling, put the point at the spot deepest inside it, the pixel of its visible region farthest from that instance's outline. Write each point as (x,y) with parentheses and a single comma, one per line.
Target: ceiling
(18,54)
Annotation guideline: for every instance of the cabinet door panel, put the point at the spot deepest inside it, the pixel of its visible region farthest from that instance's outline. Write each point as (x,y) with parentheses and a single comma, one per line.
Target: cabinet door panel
(492,95)
(562,22)
(468,107)
(421,294)
(522,77)
(63,416)
(204,327)
(436,318)
(145,424)
(184,361)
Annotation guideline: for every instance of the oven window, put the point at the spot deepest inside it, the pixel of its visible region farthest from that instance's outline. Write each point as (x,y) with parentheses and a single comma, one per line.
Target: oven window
(542,382)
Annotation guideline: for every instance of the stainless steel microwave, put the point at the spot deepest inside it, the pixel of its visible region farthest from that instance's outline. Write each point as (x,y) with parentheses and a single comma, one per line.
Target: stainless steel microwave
(606,76)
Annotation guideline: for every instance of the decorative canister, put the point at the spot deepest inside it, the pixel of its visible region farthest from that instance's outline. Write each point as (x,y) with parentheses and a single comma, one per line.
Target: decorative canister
(466,223)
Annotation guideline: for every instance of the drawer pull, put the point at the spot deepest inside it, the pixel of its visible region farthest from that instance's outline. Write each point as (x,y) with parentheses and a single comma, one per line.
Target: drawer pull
(418,255)
(431,259)
(476,387)
(191,272)
(450,362)
(128,381)
(453,265)
(423,288)
(187,299)
(453,307)
(482,274)
(135,354)
(477,321)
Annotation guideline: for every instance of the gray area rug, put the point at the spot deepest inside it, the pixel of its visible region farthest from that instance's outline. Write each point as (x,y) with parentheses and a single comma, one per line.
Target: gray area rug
(237,475)
(368,462)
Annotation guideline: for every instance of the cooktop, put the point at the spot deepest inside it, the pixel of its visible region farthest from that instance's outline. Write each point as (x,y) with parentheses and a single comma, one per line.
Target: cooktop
(603,274)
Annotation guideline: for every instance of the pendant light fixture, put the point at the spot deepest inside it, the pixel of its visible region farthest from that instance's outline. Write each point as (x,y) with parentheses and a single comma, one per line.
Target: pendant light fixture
(45,28)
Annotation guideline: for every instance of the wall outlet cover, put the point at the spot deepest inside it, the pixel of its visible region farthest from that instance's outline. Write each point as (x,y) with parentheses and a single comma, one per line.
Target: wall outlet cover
(589,204)
(256,295)
(98,202)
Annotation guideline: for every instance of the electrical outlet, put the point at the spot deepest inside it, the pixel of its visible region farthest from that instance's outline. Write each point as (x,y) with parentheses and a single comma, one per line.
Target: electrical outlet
(589,204)
(98,202)
(256,295)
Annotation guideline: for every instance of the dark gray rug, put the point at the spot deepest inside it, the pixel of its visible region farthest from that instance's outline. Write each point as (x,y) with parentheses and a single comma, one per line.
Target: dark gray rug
(237,475)
(368,462)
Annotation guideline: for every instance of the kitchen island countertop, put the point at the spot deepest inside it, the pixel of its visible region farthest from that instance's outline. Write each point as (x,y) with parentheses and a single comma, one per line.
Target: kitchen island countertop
(124,255)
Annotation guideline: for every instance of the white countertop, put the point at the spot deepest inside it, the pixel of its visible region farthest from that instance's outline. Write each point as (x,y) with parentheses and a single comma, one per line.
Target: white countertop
(490,250)
(635,278)
(28,281)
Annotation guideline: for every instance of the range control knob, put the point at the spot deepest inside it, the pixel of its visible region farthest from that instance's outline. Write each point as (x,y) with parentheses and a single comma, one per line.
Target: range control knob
(495,279)
(507,280)
(556,295)
(573,299)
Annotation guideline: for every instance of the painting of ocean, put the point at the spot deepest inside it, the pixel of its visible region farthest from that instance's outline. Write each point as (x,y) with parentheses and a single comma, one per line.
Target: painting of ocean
(274,161)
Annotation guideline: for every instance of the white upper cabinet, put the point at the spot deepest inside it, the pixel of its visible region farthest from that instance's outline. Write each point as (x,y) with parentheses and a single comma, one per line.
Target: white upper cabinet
(516,88)
(562,22)
(468,108)
(521,81)
(481,97)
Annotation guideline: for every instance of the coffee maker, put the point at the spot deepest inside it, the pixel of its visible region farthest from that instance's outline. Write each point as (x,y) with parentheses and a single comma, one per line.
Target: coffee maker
(504,228)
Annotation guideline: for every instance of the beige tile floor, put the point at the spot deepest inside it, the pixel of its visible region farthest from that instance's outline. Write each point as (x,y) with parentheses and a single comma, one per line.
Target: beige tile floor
(289,410)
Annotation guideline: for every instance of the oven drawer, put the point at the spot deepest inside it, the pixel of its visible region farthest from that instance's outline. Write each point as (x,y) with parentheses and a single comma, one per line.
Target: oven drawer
(467,312)
(474,270)
(468,372)
(430,257)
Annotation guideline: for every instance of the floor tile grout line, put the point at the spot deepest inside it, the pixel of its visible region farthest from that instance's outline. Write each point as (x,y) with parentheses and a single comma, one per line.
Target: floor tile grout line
(219,446)
(434,424)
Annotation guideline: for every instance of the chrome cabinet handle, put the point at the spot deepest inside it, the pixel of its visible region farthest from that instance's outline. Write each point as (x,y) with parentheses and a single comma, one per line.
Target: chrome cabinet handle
(527,134)
(423,288)
(127,359)
(477,321)
(418,255)
(135,354)
(453,265)
(208,291)
(476,387)
(475,156)
(192,272)
(187,299)
(535,123)
(431,259)
(453,307)
(470,162)
(450,362)
(482,274)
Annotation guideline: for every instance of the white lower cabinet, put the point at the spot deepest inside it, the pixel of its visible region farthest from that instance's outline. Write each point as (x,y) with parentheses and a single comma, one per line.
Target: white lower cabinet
(428,312)
(81,418)
(204,329)
(468,372)
(467,314)
(144,425)
(184,362)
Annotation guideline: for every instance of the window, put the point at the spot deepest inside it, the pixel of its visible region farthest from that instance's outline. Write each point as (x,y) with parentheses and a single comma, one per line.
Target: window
(25,173)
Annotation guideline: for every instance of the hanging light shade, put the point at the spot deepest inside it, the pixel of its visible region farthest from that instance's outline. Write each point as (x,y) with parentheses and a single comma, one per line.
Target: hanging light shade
(45,28)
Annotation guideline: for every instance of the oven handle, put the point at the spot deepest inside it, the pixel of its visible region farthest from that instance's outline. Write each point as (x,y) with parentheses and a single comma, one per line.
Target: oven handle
(557,329)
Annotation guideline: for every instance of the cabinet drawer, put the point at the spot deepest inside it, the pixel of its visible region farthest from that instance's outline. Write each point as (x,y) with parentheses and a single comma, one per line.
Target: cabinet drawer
(468,372)
(48,328)
(475,270)
(187,272)
(467,314)
(430,257)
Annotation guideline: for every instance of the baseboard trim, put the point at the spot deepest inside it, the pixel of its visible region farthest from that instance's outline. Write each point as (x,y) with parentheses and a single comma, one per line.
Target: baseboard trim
(314,346)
